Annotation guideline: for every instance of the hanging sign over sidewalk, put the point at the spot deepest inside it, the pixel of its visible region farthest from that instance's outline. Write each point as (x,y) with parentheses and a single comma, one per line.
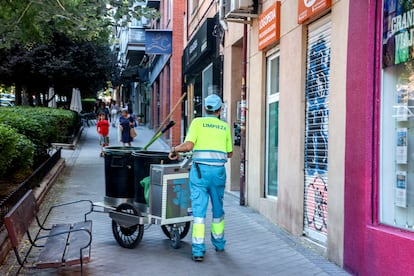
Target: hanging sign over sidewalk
(269,26)
(309,8)
(158,42)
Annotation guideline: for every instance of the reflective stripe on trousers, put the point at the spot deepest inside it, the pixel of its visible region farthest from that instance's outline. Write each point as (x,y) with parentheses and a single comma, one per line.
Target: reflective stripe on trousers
(217,228)
(198,230)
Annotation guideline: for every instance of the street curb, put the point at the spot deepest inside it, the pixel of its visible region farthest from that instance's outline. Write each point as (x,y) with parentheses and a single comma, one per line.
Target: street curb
(39,192)
(48,181)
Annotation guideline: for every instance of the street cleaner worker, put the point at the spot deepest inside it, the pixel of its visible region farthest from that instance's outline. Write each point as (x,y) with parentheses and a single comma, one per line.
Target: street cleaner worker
(210,140)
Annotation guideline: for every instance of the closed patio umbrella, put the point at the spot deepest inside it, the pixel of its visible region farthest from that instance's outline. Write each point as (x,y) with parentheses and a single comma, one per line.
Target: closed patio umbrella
(76,103)
(51,97)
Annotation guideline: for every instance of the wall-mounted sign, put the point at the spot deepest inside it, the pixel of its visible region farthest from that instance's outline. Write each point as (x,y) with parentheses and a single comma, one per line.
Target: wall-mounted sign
(158,42)
(309,8)
(200,45)
(398,32)
(269,26)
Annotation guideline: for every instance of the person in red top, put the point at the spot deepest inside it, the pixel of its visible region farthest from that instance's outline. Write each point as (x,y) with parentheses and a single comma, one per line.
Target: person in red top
(102,127)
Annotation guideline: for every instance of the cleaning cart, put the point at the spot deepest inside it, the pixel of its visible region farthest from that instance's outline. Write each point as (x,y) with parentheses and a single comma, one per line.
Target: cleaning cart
(145,188)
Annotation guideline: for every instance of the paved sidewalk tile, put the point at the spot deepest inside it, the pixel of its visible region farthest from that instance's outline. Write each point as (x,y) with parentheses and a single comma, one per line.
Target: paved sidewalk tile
(254,245)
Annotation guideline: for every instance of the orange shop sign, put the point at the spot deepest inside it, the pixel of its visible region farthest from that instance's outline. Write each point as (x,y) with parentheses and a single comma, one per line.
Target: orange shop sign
(269,26)
(308,8)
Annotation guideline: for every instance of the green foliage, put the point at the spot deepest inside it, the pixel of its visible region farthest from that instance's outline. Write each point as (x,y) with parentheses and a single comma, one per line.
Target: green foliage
(42,126)
(34,21)
(26,134)
(62,43)
(16,154)
(88,104)
(62,63)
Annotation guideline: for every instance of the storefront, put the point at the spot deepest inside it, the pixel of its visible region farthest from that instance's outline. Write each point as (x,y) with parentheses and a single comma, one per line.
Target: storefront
(318,53)
(379,202)
(269,35)
(296,87)
(202,69)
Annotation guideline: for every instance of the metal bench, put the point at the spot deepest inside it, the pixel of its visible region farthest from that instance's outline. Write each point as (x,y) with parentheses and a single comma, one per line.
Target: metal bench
(88,118)
(61,245)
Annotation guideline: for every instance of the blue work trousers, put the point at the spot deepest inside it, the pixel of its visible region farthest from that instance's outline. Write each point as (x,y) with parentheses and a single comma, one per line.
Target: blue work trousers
(211,185)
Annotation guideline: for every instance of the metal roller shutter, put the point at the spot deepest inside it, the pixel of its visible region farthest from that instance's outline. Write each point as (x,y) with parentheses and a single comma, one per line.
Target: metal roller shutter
(316,130)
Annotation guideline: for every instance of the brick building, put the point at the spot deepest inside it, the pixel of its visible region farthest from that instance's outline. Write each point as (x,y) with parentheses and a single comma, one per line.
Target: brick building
(165,82)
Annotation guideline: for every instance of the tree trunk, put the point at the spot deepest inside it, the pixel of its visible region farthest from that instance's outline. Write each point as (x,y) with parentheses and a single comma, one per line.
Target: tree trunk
(18,94)
(39,101)
(25,95)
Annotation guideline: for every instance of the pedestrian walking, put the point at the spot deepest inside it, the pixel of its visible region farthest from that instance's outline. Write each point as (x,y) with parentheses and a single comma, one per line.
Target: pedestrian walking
(102,127)
(126,123)
(103,109)
(210,140)
(114,112)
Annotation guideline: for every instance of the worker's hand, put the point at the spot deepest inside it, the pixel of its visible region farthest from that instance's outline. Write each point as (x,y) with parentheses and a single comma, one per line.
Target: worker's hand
(121,128)
(173,156)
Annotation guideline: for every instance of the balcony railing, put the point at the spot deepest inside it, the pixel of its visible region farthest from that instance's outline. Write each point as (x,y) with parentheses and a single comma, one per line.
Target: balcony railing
(136,36)
(155,4)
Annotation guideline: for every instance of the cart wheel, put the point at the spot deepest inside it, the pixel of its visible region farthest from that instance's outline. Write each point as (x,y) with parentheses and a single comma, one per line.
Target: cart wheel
(127,237)
(183,229)
(175,239)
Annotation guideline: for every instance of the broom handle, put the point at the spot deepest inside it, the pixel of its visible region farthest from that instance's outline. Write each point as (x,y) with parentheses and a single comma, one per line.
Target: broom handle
(162,125)
(156,137)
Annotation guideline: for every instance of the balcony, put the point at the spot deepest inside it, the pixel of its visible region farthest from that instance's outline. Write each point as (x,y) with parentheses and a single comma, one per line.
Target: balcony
(136,45)
(136,36)
(153,4)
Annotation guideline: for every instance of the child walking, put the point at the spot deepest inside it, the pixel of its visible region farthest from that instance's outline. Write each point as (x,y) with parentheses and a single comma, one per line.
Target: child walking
(102,127)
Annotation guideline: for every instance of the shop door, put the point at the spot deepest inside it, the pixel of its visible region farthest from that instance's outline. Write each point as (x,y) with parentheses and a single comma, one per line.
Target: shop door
(272,124)
(316,130)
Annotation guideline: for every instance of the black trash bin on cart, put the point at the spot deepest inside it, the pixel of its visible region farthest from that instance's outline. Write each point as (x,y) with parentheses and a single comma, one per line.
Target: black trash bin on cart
(119,175)
(142,166)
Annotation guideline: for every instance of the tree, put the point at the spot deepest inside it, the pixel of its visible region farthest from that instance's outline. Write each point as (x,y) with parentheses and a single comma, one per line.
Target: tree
(30,22)
(62,63)
(64,43)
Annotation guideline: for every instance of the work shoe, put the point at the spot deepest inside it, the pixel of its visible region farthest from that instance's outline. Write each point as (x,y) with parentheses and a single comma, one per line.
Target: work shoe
(198,258)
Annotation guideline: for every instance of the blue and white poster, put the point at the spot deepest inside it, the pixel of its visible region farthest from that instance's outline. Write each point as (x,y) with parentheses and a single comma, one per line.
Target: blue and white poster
(158,42)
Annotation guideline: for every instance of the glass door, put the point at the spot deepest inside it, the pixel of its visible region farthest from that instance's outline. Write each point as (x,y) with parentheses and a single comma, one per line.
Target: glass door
(272,124)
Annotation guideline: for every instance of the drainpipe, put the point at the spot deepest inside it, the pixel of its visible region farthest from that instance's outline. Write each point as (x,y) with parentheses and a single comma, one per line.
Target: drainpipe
(243,114)
(223,23)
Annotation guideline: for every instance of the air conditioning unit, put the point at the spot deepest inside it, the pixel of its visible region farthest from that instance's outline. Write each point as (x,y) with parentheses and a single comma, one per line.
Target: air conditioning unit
(236,5)
(239,9)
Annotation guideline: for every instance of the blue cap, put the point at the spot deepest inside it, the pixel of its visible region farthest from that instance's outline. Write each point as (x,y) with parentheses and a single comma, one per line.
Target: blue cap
(213,102)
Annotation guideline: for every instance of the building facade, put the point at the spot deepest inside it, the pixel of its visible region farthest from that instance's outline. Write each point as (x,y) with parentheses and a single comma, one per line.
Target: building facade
(150,55)
(165,82)
(327,112)
(202,58)
(295,118)
(379,214)
(130,44)
(294,113)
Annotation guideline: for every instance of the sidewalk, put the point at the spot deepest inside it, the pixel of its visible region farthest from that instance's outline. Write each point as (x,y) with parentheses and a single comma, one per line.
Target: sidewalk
(254,245)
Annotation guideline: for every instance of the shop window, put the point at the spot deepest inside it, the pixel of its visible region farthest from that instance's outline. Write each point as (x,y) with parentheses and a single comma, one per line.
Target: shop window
(272,124)
(396,200)
(397,146)
(208,87)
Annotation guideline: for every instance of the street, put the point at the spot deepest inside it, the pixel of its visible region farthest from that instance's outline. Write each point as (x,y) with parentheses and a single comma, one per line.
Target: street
(254,245)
